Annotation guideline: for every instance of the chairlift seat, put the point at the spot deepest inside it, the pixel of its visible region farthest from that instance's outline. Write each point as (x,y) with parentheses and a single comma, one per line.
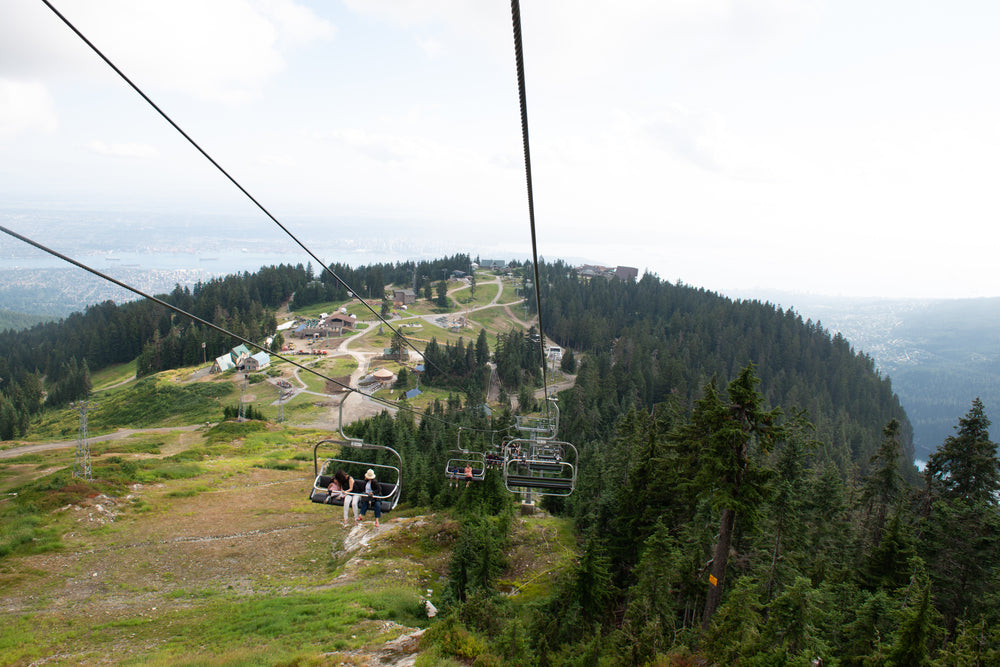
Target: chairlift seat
(455,468)
(389,491)
(532,482)
(542,467)
(320,492)
(459,473)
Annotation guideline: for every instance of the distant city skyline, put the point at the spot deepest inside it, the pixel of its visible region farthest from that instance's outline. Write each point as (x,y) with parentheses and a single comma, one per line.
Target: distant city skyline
(841,148)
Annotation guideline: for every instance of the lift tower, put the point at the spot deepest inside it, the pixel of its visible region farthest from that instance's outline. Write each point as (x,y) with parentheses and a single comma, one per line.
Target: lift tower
(81,465)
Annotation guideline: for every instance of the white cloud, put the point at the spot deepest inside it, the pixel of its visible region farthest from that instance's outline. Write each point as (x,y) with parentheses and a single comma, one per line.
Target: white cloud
(433,48)
(25,106)
(276,161)
(296,23)
(373,146)
(695,137)
(123,150)
(222,50)
(638,37)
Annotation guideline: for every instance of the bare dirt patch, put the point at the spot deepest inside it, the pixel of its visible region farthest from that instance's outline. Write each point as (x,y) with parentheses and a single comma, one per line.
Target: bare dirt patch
(231,538)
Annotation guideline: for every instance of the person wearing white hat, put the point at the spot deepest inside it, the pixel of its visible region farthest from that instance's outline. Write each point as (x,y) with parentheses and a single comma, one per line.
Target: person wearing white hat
(372,489)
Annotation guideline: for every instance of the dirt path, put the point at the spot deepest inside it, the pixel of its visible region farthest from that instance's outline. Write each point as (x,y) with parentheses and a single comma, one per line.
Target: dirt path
(520,322)
(117,435)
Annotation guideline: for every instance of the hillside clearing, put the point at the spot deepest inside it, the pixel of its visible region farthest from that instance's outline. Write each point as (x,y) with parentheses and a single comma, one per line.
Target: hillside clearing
(235,564)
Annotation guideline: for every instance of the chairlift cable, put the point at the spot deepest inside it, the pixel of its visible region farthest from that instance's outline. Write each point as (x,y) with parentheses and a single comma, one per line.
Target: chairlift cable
(515,11)
(227,175)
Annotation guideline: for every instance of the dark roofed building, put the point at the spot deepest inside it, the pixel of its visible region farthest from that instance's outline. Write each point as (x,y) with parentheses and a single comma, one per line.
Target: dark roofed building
(403,297)
(626,273)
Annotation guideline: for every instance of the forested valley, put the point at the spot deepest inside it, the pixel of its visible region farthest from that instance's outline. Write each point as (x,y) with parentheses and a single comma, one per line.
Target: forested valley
(746,493)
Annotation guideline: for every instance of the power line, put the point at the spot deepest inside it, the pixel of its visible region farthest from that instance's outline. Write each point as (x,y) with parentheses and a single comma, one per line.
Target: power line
(515,11)
(225,173)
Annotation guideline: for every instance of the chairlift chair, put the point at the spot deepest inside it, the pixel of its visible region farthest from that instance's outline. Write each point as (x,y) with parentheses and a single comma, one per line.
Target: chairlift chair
(546,467)
(390,489)
(455,468)
(390,483)
(540,427)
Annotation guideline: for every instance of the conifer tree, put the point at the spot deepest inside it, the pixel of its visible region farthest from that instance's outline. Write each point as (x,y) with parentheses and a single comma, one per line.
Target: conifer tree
(568,362)
(442,295)
(966,465)
(726,431)
(482,348)
(885,483)
(910,648)
(888,564)
(787,502)
(961,527)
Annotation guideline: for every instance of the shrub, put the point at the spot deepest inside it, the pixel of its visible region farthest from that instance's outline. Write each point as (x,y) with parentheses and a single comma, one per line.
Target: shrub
(450,637)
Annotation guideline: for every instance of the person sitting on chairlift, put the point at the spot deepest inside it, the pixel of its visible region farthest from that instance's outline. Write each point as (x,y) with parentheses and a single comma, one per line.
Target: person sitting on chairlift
(345,483)
(369,499)
(334,492)
(468,474)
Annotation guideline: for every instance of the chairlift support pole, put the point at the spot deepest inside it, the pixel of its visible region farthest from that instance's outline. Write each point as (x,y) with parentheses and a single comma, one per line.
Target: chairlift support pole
(81,464)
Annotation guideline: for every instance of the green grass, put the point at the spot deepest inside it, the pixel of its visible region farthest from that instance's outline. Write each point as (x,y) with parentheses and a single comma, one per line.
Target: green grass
(275,629)
(421,307)
(18,531)
(494,320)
(188,492)
(337,366)
(224,629)
(305,409)
(228,431)
(509,292)
(289,618)
(170,471)
(112,375)
(421,402)
(23,458)
(378,342)
(150,402)
(135,444)
(153,401)
(314,382)
(28,522)
(485,293)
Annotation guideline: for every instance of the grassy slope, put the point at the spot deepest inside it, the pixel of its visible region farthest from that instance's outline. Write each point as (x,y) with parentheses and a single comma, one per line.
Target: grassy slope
(217,557)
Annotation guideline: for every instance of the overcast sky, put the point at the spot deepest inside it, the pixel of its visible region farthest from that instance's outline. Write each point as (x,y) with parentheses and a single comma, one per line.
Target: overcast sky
(835,147)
